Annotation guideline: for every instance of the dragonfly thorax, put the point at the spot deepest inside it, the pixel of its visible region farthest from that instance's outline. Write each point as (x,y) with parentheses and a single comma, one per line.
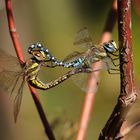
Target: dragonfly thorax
(31,68)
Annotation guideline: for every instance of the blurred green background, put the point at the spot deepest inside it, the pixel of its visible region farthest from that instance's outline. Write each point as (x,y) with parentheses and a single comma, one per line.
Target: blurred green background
(54,24)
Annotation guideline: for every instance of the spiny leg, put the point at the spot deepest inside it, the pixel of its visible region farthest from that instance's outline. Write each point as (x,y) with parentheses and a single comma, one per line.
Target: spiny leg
(113,59)
(111,69)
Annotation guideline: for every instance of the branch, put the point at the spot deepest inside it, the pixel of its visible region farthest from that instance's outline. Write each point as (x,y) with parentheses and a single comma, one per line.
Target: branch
(17,46)
(127,130)
(92,82)
(127,95)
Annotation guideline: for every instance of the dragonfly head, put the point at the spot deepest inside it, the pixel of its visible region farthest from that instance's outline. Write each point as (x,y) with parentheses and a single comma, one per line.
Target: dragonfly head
(37,51)
(110,47)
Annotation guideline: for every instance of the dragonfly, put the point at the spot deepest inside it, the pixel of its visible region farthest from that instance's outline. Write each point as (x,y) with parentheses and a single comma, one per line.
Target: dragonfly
(13,75)
(93,54)
(106,52)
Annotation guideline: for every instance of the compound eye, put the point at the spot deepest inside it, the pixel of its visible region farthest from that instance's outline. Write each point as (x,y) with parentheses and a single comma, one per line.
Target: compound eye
(37,54)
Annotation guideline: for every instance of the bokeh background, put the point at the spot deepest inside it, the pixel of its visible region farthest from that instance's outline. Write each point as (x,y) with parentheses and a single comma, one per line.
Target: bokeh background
(54,24)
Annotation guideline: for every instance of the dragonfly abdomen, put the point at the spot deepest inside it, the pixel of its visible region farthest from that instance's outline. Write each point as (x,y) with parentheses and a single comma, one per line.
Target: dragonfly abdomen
(74,62)
(37,83)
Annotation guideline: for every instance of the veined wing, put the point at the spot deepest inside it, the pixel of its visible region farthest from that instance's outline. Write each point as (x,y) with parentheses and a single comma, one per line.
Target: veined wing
(83,38)
(7,78)
(13,82)
(9,69)
(81,80)
(18,98)
(11,79)
(9,62)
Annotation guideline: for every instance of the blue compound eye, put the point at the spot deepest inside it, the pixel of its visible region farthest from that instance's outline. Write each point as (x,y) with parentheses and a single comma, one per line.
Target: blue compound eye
(110,47)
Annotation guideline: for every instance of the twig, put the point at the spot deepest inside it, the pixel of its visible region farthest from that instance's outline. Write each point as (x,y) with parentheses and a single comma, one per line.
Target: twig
(92,82)
(17,46)
(127,95)
(127,130)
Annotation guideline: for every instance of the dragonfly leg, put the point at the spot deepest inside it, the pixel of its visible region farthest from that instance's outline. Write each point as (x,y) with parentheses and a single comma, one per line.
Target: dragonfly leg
(112,69)
(113,59)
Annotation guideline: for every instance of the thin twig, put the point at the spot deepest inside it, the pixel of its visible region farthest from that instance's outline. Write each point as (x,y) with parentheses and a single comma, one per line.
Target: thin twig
(127,130)
(92,82)
(17,46)
(127,95)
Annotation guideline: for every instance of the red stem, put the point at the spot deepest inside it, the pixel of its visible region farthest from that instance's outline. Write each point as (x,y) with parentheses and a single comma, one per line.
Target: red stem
(17,46)
(93,83)
(13,33)
(125,42)
(127,95)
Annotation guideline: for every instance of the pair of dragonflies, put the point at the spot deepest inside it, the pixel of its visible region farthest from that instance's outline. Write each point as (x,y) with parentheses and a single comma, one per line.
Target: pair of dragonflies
(80,62)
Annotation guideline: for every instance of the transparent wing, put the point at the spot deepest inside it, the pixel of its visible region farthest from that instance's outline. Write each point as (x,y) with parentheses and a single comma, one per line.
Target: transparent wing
(83,38)
(81,80)
(7,78)
(11,79)
(17,100)
(13,82)
(9,62)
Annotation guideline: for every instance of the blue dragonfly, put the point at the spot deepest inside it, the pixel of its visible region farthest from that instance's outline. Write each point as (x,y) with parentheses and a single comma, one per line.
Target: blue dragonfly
(106,52)
(94,53)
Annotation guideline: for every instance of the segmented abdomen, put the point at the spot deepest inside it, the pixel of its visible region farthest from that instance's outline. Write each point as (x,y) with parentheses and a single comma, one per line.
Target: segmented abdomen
(44,86)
